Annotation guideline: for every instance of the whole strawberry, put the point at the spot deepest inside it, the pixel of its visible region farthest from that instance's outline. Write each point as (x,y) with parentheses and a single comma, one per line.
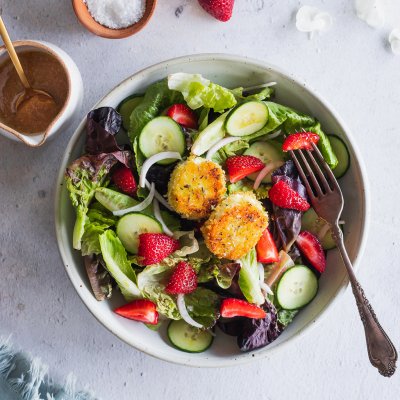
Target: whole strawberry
(183,279)
(154,247)
(219,9)
(123,178)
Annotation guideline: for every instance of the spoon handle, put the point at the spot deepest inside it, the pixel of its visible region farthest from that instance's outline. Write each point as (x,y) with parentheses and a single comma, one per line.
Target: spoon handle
(13,54)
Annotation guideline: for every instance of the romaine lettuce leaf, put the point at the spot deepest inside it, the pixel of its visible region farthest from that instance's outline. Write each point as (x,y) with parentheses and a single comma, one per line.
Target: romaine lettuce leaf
(249,278)
(152,282)
(263,94)
(285,317)
(98,221)
(83,177)
(200,92)
(115,258)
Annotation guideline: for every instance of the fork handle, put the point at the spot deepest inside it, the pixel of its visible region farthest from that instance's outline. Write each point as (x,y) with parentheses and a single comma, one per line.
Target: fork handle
(381,351)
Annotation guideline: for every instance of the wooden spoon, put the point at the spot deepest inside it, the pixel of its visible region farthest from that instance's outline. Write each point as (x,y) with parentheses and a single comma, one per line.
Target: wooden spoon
(29,91)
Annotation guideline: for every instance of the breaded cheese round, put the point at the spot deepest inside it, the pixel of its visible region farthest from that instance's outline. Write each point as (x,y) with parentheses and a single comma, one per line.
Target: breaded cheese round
(235,226)
(196,186)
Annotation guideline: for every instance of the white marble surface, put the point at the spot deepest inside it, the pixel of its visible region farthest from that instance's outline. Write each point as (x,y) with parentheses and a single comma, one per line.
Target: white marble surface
(350,65)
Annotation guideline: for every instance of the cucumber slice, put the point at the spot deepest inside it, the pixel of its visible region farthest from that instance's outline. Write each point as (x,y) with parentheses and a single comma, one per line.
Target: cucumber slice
(162,134)
(187,338)
(296,288)
(266,152)
(126,107)
(113,200)
(342,154)
(314,224)
(130,226)
(209,136)
(247,118)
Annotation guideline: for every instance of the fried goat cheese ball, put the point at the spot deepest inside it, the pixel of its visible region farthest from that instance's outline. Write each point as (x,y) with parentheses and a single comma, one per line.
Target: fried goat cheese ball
(196,186)
(235,226)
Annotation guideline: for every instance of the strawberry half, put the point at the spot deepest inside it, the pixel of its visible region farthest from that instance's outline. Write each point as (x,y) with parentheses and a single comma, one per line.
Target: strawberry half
(139,310)
(183,115)
(282,195)
(266,248)
(300,140)
(154,247)
(183,279)
(219,9)
(240,308)
(240,166)
(123,178)
(310,247)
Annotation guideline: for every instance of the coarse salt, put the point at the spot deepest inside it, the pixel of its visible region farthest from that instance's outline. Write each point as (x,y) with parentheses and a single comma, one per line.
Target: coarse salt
(116,14)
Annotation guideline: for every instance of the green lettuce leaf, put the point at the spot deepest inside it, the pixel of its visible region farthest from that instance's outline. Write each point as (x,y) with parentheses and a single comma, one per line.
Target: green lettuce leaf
(113,200)
(249,281)
(203,306)
(231,149)
(203,119)
(247,186)
(83,177)
(156,99)
(222,273)
(285,317)
(200,92)
(262,94)
(152,282)
(115,258)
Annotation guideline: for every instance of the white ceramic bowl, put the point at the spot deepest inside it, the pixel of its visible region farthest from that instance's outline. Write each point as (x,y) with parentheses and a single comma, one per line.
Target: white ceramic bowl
(230,71)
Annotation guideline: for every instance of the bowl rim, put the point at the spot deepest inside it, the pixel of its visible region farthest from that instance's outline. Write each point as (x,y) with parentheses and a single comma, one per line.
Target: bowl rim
(241,358)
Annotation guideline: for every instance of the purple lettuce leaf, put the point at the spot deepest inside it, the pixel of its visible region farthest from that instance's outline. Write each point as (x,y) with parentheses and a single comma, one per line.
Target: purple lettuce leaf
(102,124)
(257,333)
(287,223)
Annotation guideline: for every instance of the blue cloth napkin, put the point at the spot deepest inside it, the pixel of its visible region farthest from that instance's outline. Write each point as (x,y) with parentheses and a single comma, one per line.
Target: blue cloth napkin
(26,378)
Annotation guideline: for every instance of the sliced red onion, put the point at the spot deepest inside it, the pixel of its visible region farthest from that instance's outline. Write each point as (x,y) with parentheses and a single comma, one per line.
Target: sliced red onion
(180,300)
(159,197)
(157,214)
(271,166)
(275,134)
(223,142)
(154,159)
(139,207)
(341,222)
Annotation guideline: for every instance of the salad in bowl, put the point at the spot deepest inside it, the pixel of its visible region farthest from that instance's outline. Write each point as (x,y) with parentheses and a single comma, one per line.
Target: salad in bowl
(188,204)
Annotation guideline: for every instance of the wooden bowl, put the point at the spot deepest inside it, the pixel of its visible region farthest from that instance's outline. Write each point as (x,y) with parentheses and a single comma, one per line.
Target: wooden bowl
(86,19)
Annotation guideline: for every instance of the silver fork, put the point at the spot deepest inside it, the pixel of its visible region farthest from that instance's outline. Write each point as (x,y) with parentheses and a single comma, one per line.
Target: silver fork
(327,200)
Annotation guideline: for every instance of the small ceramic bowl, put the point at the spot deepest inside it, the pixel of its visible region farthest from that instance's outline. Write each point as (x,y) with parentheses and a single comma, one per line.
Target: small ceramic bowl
(86,19)
(72,103)
(229,71)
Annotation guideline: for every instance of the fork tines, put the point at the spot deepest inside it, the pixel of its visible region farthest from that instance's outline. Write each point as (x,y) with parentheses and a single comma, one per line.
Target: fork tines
(317,182)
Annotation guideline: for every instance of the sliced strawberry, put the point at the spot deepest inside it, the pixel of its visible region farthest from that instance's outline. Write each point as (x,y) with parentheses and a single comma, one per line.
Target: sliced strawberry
(139,310)
(183,115)
(240,166)
(219,9)
(183,279)
(123,178)
(310,247)
(240,308)
(154,247)
(266,248)
(300,140)
(282,195)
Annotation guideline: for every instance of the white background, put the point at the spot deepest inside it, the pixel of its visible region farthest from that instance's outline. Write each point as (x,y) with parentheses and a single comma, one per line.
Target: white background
(351,65)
